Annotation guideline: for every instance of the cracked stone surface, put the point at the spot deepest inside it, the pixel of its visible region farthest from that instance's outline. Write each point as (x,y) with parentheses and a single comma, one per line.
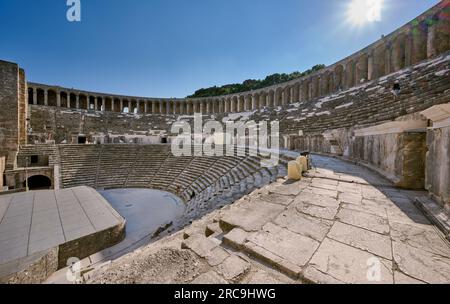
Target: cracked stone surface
(341,224)
(348,264)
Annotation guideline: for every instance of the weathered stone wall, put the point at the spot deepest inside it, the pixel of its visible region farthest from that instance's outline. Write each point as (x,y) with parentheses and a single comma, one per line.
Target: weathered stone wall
(22,108)
(438,165)
(398,156)
(9,101)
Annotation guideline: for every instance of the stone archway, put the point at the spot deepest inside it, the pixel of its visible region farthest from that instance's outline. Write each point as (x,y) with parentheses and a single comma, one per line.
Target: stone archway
(39,182)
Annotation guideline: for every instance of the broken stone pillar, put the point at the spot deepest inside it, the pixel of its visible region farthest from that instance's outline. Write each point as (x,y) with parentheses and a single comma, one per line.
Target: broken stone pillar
(303,163)
(294,171)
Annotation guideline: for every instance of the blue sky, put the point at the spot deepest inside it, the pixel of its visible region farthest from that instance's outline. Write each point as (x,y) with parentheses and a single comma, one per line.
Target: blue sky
(170,48)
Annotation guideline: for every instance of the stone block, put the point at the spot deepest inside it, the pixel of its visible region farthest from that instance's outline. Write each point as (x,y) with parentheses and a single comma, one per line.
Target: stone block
(233,268)
(294,171)
(210,277)
(250,218)
(235,238)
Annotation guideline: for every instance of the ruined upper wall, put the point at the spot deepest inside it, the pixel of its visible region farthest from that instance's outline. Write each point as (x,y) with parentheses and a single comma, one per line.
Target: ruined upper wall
(425,37)
(13,105)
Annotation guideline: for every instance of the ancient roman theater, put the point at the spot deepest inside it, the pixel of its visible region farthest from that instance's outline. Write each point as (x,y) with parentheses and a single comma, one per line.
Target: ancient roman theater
(91,191)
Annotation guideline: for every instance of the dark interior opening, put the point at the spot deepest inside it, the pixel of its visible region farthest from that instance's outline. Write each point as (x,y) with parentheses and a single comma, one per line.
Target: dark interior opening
(34,159)
(82,140)
(39,182)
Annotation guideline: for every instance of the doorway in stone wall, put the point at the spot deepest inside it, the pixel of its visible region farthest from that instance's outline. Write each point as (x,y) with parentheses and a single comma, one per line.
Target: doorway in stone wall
(39,182)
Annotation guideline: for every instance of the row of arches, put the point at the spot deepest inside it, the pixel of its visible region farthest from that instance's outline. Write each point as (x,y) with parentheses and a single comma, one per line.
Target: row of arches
(422,39)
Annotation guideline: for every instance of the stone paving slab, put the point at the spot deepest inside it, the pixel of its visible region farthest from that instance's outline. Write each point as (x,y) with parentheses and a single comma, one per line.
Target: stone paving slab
(419,236)
(364,220)
(366,240)
(348,264)
(304,224)
(250,218)
(292,247)
(210,277)
(422,265)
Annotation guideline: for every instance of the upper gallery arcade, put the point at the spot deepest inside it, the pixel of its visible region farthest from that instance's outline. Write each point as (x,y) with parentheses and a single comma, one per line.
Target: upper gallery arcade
(425,37)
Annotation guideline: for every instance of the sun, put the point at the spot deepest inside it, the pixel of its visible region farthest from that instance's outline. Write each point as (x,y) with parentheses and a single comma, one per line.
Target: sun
(361,12)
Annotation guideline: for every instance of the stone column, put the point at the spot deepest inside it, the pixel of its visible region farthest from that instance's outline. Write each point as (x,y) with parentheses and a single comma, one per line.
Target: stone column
(58,99)
(46,98)
(254,102)
(121,105)
(112,104)
(153,107)
(68,101)
(95,103)
(34,96)
(103,104)
(160,107)
(208,106)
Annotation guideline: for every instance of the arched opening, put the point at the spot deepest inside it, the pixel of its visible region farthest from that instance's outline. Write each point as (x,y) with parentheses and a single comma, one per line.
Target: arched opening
(324,84)
(296,93)
(399,53)
(287,95)
(278,97)
(115,105)
(39,182)
(379,62)
(331,86)
(350,74)
(304,91)
(63,99)
(73,99)
(271,100)
(133,107)
(40,97)
(108,105)
(100,106)
(442,32)
(30,96)
(52,98)
(142,106)
(91,102)
(339,78)
(169,108)
(362,68)
(83,102)
(241,104)
(419,42)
